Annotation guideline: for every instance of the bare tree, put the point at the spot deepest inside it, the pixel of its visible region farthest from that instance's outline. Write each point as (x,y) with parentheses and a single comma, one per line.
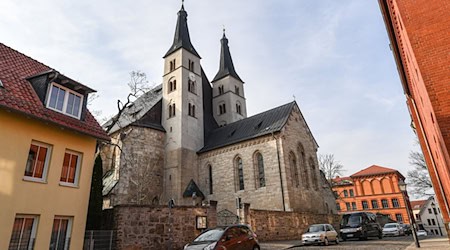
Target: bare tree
(330,167)
(419,177)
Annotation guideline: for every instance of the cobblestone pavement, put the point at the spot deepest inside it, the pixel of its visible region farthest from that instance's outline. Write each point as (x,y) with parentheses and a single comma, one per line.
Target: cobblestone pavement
(387,243)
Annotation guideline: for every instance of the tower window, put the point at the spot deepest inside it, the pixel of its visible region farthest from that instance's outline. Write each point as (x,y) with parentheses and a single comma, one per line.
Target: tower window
(236,90)
(171,110)
(221,89)
(191,110)
(172,65)
(191,86)
(172,85)
(222,109)
(238,108)
(191,65)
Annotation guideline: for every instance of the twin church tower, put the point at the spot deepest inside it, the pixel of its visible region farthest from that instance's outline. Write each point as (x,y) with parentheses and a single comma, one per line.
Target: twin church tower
(188,102)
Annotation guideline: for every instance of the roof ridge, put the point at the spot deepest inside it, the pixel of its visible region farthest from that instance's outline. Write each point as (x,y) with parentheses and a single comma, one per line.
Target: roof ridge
(16,51)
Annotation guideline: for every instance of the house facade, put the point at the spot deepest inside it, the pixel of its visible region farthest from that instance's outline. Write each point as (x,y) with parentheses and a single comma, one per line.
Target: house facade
(189,141)
(418,32)
(428,216)
(49,141)
(374,189)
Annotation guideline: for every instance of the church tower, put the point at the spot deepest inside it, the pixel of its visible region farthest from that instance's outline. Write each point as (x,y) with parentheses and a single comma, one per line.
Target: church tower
(228,89)
(182,112)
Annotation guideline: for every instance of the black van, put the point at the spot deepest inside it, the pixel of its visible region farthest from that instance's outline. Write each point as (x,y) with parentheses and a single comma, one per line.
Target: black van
(360,225)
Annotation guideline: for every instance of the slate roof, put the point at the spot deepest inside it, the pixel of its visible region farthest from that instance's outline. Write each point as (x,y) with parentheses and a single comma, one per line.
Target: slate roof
(252,127)
(226,67)
(18,95)
(138,113)
(375,170)
(181,38)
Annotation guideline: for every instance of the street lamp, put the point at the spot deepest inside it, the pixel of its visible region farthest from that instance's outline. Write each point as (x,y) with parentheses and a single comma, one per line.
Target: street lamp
(402,187)
(435,215)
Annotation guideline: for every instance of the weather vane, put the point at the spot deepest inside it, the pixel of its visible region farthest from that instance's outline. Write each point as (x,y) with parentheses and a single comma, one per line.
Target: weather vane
(294,97)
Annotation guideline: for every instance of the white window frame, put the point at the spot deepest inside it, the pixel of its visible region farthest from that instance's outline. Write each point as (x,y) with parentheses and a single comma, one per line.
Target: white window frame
(66,100)
(33,229)
(77,170)
(69,231)
(46,164)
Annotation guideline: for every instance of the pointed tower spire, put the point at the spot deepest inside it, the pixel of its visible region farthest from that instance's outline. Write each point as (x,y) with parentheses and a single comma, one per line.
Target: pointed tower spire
(181,38)
(226,63)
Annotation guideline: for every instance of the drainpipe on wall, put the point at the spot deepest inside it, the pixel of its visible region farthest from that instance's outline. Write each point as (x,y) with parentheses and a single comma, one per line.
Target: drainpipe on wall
(279,169)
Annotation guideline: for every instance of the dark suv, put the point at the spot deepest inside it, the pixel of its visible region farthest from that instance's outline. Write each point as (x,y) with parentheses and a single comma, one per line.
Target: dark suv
(238,237)
(360,225)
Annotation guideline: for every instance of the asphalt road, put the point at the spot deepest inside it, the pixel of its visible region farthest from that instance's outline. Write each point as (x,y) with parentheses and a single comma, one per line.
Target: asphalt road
(387,243)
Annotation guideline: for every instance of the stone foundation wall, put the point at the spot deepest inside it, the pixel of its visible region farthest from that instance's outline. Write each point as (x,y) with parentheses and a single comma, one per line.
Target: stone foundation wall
(151,227)
(278,225)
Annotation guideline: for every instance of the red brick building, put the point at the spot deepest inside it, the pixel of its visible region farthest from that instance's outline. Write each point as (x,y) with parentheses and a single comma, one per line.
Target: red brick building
(419,32)
(374,189)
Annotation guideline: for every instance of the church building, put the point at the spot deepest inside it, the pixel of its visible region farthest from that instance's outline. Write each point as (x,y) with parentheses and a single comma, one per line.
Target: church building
(189,141)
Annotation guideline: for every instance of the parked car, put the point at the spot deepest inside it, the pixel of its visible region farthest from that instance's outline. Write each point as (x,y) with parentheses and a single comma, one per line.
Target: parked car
(406,229)
(234,237)
(320,234)
(422,233)
(393,229)
(360,225)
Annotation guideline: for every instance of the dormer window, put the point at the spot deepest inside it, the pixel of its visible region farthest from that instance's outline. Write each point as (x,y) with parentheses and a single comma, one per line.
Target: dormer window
(64,100)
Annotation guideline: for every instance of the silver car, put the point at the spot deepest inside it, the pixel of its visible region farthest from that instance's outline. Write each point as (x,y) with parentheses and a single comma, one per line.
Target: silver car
(393,229)
(320,234)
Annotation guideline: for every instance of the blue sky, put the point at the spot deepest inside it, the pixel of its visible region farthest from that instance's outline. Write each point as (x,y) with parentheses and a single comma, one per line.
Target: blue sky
(333,56)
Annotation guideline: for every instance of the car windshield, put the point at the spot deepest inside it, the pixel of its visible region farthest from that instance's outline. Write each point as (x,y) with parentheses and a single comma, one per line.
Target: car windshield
(315,228)
(390,225)
(351,219)
(210,235)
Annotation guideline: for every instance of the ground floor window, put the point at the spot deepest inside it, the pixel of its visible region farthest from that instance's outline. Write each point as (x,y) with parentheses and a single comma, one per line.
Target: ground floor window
(60,233)
(399,217)
(23,233)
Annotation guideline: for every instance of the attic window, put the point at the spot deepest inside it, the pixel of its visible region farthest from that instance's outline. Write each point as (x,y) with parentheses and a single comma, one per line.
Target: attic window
(64,100)
(259,125)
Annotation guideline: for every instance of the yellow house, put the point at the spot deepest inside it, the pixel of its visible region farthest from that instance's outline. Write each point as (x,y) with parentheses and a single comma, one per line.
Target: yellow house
(48,142)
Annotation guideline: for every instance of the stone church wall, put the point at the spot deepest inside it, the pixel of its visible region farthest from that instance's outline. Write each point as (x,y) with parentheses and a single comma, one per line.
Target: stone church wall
(138,167)
(158,227)
(305,187)
(224,175)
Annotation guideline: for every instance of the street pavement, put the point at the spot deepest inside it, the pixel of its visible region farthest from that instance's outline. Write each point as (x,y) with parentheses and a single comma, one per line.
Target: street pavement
(387,243)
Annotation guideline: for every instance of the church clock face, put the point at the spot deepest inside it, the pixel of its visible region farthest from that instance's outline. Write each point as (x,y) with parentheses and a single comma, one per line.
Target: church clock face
(192,76)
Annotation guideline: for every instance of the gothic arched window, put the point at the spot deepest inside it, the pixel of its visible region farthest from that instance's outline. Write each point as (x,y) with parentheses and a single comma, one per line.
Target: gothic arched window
(294,170)
(239,174)
(303,167)
(259,170)
(210,178)
(313,173)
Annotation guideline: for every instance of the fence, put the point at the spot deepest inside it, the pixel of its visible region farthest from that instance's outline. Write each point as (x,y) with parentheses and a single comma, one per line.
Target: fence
(99,240)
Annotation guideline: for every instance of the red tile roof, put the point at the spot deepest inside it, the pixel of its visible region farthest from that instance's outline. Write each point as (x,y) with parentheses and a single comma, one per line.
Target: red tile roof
(342,181)
(375,170)
(18,95)
(417,205)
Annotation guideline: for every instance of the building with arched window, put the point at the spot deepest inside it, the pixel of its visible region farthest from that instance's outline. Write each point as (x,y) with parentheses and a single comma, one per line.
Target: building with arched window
(191,135)
(374,189)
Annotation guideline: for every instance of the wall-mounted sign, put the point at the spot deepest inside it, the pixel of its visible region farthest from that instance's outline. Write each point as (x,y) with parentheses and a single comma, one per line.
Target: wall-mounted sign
(201,222)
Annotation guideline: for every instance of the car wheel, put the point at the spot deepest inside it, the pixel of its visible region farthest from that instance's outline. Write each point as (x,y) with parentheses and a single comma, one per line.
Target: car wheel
(337,241)
(255,247)
(380,236)
(325,242)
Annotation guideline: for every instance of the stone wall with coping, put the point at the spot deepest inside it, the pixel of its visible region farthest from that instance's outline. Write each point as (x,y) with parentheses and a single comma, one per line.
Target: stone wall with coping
(158,227)
(279,225)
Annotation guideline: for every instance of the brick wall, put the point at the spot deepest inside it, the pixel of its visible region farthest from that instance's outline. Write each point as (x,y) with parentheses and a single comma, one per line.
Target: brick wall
(151,227)
(278,225)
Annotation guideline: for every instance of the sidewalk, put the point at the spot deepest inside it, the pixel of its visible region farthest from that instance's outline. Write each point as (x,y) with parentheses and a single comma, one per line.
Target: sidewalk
(279,245)
(434,243)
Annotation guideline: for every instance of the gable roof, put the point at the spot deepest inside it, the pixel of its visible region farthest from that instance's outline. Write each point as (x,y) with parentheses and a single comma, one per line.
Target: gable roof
(375,170)
(418,204)
(342,181)
(137,112)
(192,188)
(18,95)
(252,127)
